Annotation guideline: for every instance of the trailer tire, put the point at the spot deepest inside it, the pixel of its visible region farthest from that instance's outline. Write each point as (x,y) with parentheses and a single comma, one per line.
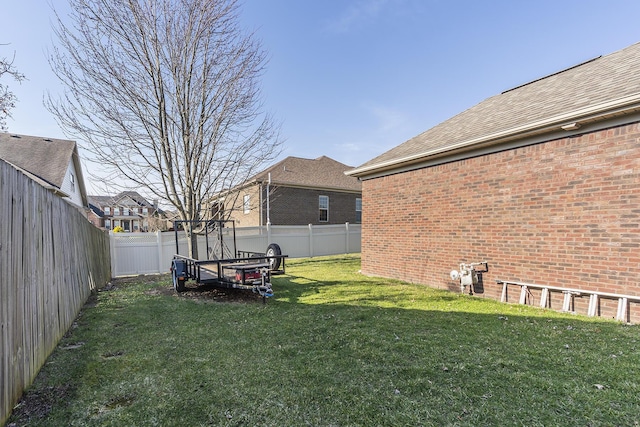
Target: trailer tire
(273,249)
(178,284)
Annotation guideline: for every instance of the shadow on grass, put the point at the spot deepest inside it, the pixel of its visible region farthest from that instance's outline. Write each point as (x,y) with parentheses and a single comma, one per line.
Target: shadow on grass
(331,352)
(296,289)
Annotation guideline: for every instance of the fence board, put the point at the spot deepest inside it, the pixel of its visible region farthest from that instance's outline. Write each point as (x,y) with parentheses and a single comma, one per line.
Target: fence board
(51,258)
(146,253)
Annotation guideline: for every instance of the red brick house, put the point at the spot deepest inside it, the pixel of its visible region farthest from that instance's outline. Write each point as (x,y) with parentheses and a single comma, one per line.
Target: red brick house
(541,181)
(128,210)
(294,191)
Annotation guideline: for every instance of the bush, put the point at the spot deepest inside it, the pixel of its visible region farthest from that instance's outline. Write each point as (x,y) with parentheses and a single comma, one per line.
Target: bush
(118,229)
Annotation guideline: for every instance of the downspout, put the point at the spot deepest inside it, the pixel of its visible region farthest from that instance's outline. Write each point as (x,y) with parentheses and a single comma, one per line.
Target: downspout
(260,203)
(268,189)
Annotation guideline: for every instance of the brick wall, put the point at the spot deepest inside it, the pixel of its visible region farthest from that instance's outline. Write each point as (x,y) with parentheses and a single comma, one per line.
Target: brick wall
(299,206)
(95,219)
(562,213)
(292,206)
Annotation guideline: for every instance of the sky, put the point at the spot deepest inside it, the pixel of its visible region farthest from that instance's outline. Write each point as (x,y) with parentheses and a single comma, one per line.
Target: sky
(351,79)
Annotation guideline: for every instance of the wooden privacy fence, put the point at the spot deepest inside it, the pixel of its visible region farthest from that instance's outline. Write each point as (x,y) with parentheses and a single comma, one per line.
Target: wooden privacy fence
(150,253)
(51,258)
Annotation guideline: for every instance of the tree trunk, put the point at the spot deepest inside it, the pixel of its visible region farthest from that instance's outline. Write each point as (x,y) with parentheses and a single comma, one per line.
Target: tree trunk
(192,238)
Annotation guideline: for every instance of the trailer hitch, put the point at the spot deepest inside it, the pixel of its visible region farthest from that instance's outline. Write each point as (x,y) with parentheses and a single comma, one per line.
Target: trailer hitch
(264,289)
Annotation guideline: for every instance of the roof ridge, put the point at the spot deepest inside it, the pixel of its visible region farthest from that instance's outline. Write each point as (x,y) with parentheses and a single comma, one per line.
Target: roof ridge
(553,74)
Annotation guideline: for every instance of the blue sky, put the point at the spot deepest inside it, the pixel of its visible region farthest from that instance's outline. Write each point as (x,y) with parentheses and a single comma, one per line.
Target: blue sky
(351,79)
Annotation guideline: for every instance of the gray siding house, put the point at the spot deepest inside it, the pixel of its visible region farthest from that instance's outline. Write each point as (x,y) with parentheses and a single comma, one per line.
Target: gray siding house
(53,163)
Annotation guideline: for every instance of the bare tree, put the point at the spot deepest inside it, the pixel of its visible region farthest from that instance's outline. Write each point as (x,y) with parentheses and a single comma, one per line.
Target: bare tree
(165,96)
(7,97)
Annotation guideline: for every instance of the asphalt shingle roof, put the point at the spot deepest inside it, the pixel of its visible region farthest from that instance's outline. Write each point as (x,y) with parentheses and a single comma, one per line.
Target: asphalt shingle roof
(102,201)
(322,172)
(581,90)
(46,158)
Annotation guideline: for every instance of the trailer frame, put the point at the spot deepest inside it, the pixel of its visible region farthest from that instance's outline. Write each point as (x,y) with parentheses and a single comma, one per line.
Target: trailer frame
(246,270)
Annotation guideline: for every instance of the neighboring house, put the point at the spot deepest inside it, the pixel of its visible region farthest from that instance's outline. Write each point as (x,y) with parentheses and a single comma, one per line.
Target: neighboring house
(301,192)
(53,163)
(541,181)
(128,210)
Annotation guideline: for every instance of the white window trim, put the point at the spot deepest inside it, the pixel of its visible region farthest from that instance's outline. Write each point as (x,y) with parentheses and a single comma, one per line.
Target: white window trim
(246,204)
(320,208)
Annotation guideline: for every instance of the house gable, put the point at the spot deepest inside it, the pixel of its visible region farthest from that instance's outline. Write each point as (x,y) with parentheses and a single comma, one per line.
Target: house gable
(71,185)
(54,161)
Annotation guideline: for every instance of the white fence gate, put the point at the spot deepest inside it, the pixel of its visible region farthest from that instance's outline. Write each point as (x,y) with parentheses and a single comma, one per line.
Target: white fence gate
(150,253)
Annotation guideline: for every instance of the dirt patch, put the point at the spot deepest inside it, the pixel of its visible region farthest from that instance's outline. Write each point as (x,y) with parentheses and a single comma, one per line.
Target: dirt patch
(203,293)
(207,293)
(36,404)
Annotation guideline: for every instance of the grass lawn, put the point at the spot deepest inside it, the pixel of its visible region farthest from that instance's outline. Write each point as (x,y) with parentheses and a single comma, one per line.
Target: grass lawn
(333,348)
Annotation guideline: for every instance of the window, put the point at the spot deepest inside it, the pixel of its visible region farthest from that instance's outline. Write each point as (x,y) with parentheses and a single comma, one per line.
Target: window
(107,224)
(323,204)
(358,210)
(125,211)
(217,210)
(246,203)
(145,211)
(72,179)
(107,210)
(116,211)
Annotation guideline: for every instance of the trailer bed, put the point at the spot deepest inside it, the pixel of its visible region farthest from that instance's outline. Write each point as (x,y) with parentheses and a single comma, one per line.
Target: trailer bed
(249,271)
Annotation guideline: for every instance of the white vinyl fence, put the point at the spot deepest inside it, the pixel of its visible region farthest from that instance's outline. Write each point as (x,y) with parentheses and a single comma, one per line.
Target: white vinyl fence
(150,253)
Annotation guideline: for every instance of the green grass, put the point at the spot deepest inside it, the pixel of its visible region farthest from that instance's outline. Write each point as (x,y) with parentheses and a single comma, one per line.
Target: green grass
(335,348)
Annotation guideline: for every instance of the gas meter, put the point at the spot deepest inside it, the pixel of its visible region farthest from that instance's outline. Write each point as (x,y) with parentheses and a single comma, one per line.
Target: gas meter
(468,275)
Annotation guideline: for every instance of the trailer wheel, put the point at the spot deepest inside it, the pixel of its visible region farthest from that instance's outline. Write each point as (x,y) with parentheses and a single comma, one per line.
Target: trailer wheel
(178,283)
(274,249)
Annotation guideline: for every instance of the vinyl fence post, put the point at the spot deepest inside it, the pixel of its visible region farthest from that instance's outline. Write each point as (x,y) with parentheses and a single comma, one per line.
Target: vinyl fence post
(310,240)
(346,225)
(159,246)
(114,260)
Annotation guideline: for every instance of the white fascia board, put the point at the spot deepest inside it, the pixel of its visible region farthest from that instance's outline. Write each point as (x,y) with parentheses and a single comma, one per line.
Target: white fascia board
(588,113)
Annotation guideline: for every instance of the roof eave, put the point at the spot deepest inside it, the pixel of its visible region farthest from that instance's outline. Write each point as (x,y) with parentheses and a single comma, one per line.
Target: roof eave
(590,114)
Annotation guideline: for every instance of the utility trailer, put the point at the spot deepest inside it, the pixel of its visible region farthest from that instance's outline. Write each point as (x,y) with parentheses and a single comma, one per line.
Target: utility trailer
(226,266)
